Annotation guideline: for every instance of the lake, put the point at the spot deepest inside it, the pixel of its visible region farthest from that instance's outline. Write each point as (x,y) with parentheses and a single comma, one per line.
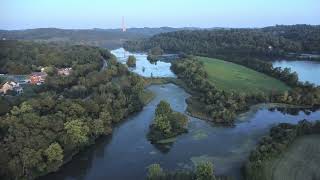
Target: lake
(307,70)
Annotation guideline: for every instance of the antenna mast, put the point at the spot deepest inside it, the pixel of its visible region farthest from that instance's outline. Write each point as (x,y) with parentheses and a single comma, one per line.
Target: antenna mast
(124,29)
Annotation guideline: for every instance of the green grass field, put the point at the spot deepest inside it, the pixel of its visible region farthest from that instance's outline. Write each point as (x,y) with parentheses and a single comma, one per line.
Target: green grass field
(301,161)
(232,77)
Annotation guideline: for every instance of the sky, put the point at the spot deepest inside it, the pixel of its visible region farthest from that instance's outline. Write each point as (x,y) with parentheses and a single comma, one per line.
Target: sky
(87,14)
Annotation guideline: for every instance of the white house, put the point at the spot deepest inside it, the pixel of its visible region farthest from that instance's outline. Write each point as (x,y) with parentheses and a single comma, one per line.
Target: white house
(11,86)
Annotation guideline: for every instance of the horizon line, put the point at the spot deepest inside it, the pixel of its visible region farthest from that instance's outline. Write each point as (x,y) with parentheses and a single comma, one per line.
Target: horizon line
(157,27)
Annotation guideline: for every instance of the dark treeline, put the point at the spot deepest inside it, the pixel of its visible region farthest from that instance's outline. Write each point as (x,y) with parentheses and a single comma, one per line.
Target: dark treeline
(308,36)
(69,112)
(277,142)
(269,42)
(107,38)
(222,107)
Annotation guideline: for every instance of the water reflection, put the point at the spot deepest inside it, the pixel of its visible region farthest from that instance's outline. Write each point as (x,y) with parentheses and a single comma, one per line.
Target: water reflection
(295,111)
(307,70)
(143,66)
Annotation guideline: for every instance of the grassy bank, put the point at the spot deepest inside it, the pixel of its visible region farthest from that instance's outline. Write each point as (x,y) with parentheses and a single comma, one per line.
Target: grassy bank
(155,81)
(301,161)
(147,96)
(233,77)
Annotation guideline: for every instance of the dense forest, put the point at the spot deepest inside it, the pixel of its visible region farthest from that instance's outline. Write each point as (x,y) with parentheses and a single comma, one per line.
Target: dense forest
(24,57)
(69,112)
(268,42)
(308,36)
(276,143)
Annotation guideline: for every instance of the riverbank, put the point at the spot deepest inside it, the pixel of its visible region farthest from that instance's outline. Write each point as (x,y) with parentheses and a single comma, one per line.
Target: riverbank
(288,148)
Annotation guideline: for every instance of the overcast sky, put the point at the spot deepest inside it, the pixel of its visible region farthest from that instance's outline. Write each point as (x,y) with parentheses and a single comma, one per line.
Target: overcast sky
(86,14)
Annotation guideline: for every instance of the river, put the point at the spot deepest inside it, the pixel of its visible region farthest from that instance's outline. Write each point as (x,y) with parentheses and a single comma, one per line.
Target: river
(127,153)
(307,70)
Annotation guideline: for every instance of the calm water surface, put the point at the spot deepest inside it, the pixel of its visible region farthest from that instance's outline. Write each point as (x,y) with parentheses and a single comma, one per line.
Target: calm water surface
(127,153)
(143,66)
(307,70)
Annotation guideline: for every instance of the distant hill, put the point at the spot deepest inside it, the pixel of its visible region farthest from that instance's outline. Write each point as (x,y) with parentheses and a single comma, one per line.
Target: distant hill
(307,35)
(274,41)
(109,38)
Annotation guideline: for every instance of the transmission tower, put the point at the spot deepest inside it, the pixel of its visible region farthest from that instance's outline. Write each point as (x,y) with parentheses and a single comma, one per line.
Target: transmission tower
(124,29)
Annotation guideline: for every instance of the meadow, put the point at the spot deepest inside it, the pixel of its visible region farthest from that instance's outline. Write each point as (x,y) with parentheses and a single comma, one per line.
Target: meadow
(233,77)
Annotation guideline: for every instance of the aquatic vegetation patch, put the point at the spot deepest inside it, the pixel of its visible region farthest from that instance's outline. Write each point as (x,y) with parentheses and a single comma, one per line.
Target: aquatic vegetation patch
(199,159)
(167,141)
(152,152)
(199,135)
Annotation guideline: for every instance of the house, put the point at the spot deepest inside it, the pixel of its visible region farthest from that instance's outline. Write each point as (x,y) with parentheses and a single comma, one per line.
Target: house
(11,86)
(64,71)
(37,78)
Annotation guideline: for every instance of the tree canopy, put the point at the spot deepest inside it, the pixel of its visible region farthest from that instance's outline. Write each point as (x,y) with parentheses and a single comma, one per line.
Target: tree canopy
(131,62)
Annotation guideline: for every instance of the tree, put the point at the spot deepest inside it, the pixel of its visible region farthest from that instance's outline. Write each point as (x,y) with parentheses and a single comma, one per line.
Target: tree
(155,172)
(24,108)
(162,124)
(156,51)
(30,159)
(131,62)
(54,154)
(163,109)
(167,123)
(179,121)
(204,171)
(98,127)
(77,132)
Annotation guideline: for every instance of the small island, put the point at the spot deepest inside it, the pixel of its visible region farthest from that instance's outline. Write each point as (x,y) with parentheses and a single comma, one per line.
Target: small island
(131,62)
(167,124)
(154,54)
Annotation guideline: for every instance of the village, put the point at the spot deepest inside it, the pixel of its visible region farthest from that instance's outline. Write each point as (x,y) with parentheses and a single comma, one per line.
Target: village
(15,84)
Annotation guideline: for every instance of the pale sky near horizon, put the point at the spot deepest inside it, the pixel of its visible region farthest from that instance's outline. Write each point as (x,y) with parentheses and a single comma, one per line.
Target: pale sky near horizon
(87,14)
